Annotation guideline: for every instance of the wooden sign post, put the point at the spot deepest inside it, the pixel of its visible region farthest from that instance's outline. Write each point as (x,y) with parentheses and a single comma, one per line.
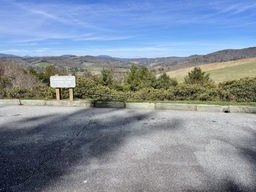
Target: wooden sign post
(58,95)
(58,82)
(71,94)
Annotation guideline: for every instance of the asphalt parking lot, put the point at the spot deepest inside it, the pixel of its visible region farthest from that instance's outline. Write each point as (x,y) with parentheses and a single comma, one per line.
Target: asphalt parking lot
(76,149)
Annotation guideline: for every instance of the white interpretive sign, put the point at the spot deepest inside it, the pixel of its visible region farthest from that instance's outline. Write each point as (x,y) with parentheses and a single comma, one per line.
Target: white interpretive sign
(62,81)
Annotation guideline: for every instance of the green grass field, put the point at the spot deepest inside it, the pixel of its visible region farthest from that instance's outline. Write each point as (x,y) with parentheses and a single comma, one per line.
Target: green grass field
(235,72)
(224,71)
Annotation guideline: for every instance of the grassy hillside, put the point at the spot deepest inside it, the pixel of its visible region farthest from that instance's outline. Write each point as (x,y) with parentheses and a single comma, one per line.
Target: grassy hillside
(222,71)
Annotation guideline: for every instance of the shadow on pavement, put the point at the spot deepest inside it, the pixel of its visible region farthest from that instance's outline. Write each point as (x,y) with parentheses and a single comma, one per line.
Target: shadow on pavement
(36,152)
(246,150)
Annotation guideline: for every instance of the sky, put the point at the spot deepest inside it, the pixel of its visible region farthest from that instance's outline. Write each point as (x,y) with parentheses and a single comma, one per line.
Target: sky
(125,28)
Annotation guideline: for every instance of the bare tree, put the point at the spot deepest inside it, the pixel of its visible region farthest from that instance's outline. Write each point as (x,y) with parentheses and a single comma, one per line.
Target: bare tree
(17,75)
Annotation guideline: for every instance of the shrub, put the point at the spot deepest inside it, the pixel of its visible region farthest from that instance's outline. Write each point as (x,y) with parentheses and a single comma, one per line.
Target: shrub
(84,89)
(4,84)
(187,92)
(209,94)
(40,92)
(148,94)
(193,92)
(243,90)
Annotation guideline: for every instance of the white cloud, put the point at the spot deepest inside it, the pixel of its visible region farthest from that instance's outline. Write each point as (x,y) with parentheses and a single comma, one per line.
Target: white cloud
(135,26)
(101,38)
(233,7)
(50,21)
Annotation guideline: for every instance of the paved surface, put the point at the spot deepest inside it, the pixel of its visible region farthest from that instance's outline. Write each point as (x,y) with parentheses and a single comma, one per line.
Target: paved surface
(75,149)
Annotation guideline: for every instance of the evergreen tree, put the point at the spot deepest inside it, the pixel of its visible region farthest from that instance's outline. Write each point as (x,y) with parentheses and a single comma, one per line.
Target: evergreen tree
(164,82)
(197,76)
(131,79)
(106,78)
(137,79)
(46,74)
(146,78)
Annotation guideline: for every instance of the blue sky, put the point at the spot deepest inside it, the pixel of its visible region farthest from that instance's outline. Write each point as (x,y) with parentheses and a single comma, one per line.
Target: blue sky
(125,28)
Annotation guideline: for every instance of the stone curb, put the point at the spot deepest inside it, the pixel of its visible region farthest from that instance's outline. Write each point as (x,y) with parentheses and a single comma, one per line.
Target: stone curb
(180,107)
(213,108)
(242,109)
(132,105)
(149,106)
(106,104)
(33,102)
(9,102)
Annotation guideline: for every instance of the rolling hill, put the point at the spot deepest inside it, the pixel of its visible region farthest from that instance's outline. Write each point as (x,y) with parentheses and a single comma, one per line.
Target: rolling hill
(222,71)
(167,63)
(222,65)
(195,60)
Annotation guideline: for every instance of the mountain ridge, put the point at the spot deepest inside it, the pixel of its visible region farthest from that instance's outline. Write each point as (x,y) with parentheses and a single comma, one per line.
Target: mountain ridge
(158,64)
(7,55)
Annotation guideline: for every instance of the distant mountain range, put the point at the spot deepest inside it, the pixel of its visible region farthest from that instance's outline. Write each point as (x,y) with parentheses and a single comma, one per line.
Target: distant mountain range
(162,63)
(173,63)
(7,55)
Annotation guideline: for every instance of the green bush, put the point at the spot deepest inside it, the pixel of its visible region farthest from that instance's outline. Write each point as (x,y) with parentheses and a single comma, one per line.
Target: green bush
(85,88)
(119,95)
(243,90)
(187,92)
(40,92)
(4,84)
(148,94)
(193,92)
(209,94)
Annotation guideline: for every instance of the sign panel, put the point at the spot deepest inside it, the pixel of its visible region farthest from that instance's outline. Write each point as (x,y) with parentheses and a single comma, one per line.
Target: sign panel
(62,81)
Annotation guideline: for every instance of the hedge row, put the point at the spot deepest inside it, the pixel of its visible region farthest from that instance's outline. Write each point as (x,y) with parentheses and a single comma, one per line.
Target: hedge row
(243,90)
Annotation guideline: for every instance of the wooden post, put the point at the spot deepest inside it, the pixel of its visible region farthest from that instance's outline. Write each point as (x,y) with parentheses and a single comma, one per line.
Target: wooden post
(58,94)
(57,91)
(71,91)
(71,94)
